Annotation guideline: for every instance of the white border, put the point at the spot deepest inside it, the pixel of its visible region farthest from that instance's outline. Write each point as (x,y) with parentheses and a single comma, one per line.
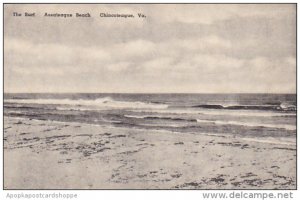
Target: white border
(134,194)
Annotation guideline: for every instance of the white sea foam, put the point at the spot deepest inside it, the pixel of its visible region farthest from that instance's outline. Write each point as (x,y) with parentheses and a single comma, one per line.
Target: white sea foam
(136,116)
(221,112)
(282,126)
(221,122)
(245,113)
(100,103)
(240,123)
(287,106)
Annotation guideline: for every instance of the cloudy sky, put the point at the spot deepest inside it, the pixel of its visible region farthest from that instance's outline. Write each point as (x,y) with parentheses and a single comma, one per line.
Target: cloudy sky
(177,48)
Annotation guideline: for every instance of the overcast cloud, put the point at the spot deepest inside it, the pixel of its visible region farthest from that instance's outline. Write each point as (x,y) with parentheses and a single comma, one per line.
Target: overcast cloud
(176,48)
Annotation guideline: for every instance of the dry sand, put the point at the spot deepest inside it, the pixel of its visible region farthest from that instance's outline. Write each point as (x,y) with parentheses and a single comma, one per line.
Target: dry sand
(55,155)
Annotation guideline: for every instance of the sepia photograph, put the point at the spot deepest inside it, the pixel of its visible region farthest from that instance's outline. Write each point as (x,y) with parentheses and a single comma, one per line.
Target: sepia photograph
(149,96)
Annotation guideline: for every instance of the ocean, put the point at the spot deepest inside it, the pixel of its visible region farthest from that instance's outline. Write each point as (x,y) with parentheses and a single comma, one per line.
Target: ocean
(257,116)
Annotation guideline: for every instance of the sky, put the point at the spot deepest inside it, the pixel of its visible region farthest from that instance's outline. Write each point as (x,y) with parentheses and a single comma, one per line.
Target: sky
(177,48)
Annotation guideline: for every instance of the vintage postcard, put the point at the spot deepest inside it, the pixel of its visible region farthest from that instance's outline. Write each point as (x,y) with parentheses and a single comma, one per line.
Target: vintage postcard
(150,96)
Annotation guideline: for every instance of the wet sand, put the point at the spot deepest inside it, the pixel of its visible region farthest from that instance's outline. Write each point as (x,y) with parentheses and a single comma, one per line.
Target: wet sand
(56,155)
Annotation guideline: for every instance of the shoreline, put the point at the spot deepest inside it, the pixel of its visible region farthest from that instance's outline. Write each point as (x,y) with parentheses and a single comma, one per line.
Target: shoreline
(84,156)
(285,141)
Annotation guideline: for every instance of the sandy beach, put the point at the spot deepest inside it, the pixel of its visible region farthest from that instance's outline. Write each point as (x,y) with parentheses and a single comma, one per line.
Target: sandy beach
(42,154)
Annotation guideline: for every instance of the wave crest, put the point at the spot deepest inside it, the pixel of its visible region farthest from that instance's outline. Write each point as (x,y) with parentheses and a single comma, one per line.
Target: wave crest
(281,107)
(100,103)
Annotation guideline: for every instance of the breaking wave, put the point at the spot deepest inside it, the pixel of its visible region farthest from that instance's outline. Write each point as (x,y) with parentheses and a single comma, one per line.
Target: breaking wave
(100,103)
(217,122)
(281,107)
